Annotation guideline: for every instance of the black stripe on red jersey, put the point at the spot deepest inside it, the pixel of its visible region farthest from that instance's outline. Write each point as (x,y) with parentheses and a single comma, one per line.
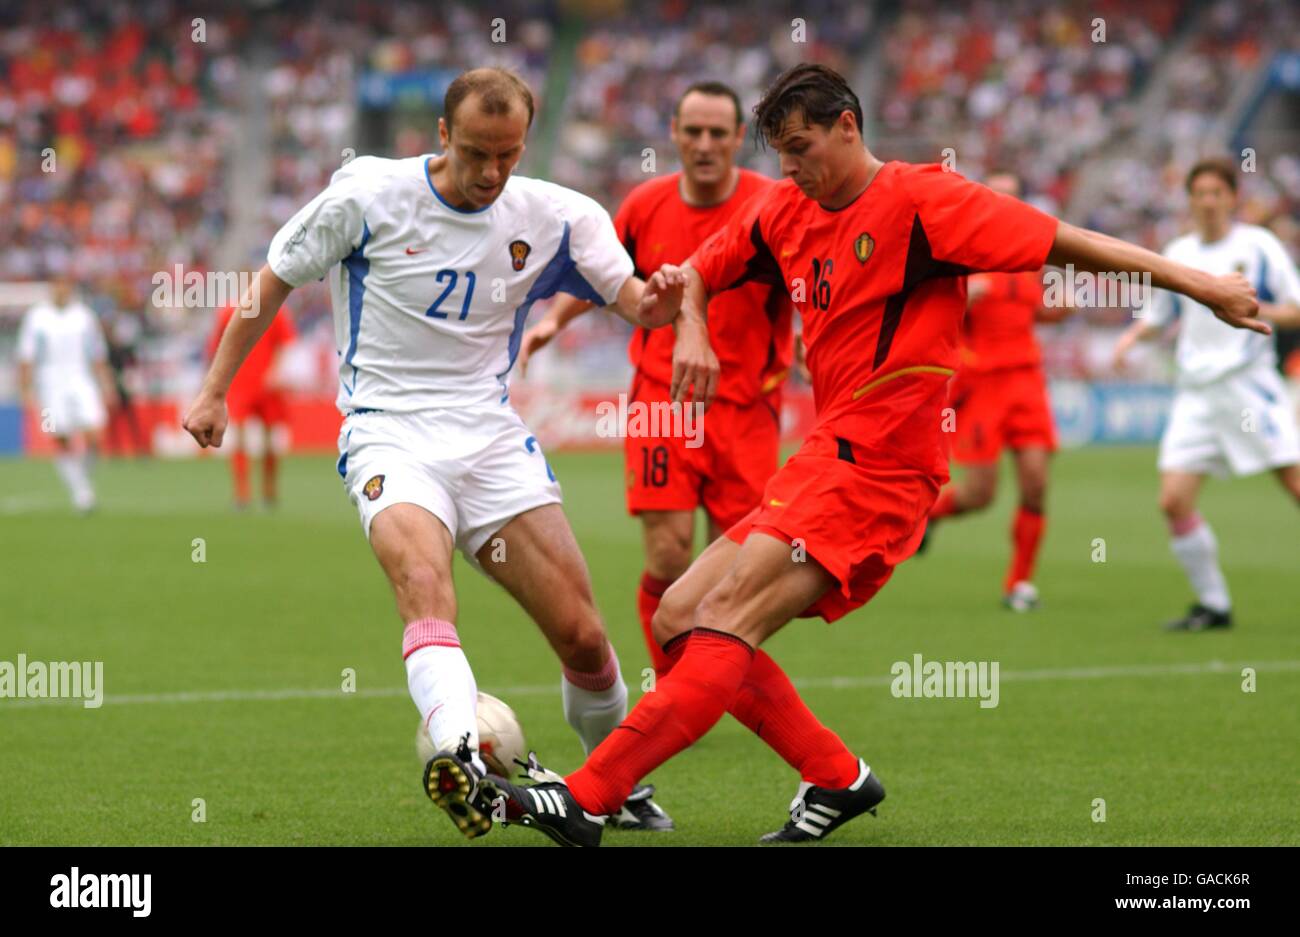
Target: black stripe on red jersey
(762,267)
(629,245)
(919,267)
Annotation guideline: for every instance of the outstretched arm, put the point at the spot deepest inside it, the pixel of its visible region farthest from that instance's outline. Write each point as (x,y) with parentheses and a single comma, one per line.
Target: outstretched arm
(564,310)
(1231,298)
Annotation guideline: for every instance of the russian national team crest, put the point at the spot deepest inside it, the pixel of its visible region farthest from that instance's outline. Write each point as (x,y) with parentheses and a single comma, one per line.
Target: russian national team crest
(863,247)
(519,251)
(374,488)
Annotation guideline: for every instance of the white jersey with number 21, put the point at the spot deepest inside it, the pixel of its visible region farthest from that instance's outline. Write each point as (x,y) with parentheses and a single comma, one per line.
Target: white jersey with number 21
(429,300)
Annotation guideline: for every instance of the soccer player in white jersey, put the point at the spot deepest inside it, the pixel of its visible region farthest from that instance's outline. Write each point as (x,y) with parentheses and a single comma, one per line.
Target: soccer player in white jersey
(1231,413)
(434,263)
(63,374)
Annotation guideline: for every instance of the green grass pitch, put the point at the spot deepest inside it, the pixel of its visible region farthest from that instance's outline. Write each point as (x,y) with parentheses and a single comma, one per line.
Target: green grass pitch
(223,678)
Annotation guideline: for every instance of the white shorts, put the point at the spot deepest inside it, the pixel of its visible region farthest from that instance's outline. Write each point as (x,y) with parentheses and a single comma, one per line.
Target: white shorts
(474,468)
(1239,425)
(71,407)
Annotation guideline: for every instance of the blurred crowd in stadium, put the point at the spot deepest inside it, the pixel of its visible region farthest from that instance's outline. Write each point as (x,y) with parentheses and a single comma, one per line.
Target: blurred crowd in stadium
(134,137)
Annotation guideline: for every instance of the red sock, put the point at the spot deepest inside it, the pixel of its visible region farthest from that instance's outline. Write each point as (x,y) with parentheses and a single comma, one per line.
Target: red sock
(684,706)
(270,463)
(239,466)
(945,505)
(770,707)
(648,595)
(1026,532)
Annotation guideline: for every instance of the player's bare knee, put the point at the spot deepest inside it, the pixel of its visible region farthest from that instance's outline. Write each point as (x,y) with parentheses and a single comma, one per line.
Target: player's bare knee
(1175,505)
(668,554)
(583,646)
(980,496)
(717,610)
(1032,497)
(674,616)
(421,584)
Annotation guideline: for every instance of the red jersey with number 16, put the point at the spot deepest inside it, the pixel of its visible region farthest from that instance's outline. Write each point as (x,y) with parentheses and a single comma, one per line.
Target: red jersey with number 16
(880,287)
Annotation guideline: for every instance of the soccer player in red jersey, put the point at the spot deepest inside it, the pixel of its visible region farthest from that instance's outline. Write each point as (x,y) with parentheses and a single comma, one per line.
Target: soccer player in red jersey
(725,463)
(875,257)
(254,393)
(999,401)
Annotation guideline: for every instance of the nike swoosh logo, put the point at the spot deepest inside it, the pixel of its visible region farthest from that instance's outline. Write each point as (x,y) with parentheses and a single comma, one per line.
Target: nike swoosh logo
(412,250)
(776,504)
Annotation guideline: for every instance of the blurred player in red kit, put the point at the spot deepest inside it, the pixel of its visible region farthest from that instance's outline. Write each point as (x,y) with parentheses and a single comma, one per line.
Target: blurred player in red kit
(724,465)
(875,257)
(255,393)
(999,401)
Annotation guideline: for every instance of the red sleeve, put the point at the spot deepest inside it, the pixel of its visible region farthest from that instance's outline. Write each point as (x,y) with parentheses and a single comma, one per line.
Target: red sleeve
(218,329)
(970,225)
(737,253)
(285,333)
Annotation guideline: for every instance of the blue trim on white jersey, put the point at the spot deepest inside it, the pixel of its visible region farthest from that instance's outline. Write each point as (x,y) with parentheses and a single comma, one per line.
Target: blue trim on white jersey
(1261,287)
(560,275)
(358,269)
(438,195)
(342,465)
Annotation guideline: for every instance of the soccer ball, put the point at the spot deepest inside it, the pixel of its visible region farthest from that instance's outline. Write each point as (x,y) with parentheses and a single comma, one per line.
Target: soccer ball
(500,737)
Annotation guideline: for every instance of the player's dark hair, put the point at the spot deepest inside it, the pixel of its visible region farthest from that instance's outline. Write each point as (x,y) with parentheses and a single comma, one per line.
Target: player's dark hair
(820,93)
(497,89)
(716,89)
(1219,166)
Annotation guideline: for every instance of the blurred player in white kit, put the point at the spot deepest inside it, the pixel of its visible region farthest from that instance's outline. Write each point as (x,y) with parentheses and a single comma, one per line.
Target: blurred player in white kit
(63,375)
(1231,413)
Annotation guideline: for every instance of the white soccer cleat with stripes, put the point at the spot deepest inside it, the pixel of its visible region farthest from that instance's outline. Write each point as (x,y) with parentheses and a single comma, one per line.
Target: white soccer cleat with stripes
(816,811)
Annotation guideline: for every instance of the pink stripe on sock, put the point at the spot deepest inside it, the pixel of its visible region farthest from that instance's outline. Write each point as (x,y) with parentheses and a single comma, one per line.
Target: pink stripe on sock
(602,679)
(1184,526)
(426,632)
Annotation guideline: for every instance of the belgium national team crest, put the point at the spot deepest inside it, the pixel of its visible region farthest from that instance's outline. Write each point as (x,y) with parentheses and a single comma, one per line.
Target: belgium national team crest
(374,488)
(863,247)
(519,251)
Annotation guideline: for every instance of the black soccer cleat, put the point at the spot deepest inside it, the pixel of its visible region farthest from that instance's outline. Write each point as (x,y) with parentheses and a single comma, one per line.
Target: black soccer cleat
(547,806)
(640,812)
(1200,618)
(458,790)
(818,811)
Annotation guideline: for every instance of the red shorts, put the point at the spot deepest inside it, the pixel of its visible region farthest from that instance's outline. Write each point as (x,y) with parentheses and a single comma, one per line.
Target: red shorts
(737,452)
(1006,409)
(270,407)
(857,521)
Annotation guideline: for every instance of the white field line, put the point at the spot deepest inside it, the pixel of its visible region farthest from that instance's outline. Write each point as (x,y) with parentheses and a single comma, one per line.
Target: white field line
(1211,667)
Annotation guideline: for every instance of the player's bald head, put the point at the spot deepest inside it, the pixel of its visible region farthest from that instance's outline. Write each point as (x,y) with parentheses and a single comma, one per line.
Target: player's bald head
(489,91)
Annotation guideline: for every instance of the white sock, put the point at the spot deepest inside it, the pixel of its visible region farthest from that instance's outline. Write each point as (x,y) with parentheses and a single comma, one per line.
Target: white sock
(443,688)
(67,471)
(594,713)
(72,469)
(1198,551)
